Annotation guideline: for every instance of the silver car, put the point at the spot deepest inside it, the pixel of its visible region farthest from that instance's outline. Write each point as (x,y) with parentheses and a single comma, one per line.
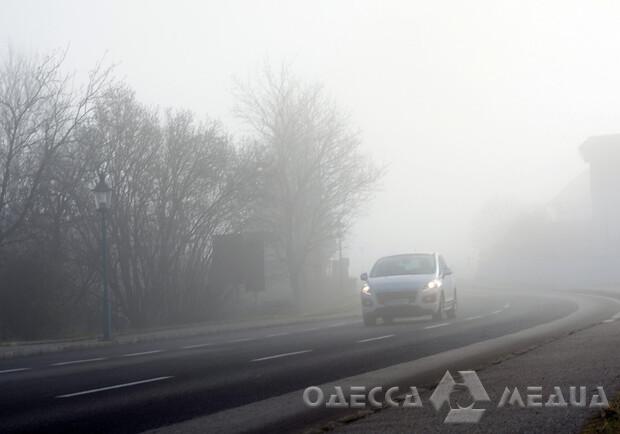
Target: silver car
(408,285)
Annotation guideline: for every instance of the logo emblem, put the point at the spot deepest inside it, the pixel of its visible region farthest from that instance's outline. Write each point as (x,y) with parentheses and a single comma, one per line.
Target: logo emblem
(447,385)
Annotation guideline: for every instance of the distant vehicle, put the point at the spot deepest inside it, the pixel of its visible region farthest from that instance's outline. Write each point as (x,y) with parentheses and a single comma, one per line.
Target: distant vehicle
(408,285)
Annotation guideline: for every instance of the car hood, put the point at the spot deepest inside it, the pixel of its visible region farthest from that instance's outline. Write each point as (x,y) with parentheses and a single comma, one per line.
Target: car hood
(400,283)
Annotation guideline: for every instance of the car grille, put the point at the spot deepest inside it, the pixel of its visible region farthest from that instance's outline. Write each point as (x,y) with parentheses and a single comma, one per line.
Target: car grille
(399,295)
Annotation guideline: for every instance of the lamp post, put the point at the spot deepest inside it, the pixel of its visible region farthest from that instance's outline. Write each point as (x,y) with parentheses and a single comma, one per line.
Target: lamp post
(103,196)
(340,235)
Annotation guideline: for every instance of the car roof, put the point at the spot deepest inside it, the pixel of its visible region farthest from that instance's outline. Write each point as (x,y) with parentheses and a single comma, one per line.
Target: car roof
(409,254)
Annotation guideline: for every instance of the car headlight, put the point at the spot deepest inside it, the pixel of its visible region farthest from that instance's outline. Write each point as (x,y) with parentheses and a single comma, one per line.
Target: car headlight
(436,283)
(366,290)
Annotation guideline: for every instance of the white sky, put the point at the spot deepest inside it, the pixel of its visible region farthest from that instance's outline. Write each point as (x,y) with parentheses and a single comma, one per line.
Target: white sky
(463,101)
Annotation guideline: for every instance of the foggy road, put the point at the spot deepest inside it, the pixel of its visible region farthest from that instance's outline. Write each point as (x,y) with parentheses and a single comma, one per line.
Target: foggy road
(212,214)
(130,388)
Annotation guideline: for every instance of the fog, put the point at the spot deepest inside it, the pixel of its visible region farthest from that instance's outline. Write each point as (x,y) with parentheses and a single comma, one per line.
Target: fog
(463,103)
(289,215)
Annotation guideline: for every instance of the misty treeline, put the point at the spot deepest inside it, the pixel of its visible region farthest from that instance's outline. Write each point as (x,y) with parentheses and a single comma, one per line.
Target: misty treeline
(297,175)
(522,244)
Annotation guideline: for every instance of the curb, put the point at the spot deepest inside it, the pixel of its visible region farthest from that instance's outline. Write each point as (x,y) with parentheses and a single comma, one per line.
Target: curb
(52,346)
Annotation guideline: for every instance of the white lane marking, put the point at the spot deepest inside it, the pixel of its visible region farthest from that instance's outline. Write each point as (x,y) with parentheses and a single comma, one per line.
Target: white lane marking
(434,326)
(189,347)
(277,334)
(471,318)
(116,386)
(311,329)
(73,362)
(338,324)
(495,312)
(507,306)
(7,371)
(234,341)
(277,356)
(612,319)
(142,353)
(374,339)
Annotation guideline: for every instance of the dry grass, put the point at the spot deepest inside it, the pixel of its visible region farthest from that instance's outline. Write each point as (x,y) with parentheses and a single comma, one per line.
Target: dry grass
(607,421)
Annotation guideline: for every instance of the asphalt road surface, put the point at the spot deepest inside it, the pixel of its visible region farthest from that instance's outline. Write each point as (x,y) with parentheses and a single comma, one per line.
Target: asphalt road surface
(132,388)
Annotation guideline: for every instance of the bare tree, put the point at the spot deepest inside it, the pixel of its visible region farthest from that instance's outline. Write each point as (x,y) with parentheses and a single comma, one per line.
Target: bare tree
(314,177)
(176,183)
(39,111)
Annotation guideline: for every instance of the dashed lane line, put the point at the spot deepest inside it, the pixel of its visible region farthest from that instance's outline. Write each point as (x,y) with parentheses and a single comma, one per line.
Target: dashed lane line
(278,356)
(7,371)
(375,339)
(434,326)
(116,386)
(612,319)
(277,334)
(75,362)
(235,341)
(206,344)
(142,353)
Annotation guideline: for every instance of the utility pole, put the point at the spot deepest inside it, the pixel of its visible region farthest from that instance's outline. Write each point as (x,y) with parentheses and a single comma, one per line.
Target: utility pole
(103,196)
(107,310)
(340,277)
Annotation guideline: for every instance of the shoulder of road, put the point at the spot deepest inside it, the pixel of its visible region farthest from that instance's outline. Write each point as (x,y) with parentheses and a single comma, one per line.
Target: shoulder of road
(571,351)
(587,358)
(29,348)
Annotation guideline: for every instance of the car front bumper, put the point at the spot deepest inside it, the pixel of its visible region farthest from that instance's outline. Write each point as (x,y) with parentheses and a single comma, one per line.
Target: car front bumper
(416,304)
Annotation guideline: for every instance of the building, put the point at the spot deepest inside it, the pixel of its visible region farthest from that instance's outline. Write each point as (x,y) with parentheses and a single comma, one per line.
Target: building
(576,243)
(602,153)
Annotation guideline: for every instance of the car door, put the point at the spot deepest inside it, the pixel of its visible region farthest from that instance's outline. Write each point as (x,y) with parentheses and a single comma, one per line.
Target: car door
(448,279)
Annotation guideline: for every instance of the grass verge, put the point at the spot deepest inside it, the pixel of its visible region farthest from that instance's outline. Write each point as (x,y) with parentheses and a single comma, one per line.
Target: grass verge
(607,421)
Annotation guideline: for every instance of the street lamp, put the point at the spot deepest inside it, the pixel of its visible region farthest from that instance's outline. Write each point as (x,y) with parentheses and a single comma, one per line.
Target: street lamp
(340,229)
(103,197)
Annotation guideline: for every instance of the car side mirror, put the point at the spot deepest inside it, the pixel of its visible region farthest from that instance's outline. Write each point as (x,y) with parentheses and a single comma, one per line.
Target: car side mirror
(364,277)
(447,272)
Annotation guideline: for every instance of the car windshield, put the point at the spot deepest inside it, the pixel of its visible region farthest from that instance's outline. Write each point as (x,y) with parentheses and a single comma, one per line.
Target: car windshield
(404,264)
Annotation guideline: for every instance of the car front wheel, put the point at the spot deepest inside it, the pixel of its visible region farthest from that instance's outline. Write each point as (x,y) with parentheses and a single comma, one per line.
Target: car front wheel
(438,315)
(452,312)
(369,319)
